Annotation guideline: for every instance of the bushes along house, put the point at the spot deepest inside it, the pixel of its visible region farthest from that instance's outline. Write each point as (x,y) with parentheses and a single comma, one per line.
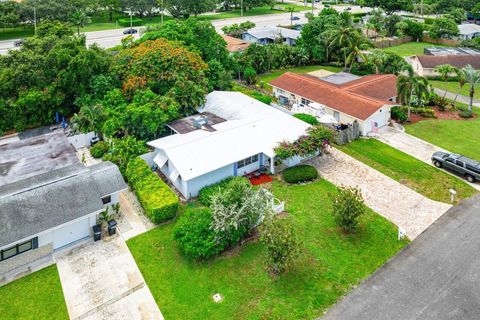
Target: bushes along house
(157,199)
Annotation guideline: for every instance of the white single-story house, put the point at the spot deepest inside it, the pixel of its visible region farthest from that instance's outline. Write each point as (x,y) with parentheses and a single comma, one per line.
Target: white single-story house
(270,34)
(233,135)
(425,65)
(348,98)
(48,199)
(468,31)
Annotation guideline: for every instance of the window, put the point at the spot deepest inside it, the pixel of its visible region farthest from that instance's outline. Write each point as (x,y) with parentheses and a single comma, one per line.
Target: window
(280,91)
(460,163)
(107,199)
(449,160)
(473,169)
(18,249)
(305,101)
(247,161)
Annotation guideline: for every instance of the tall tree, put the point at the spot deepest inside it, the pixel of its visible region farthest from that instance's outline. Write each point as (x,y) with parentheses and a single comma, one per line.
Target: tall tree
(410,85)
(79,19)
(443,28)
(445,71)
(472,78)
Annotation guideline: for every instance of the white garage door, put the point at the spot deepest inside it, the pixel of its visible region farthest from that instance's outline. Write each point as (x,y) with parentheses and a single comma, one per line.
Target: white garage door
(70,233)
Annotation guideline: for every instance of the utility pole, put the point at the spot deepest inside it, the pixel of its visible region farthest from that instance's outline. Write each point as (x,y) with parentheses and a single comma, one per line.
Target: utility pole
(241,8)
(421,8)
(163,9)
(35,19)
(313,5)
(131,21)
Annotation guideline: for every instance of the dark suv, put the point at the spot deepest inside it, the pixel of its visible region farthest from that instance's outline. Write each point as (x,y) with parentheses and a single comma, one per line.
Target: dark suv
(459,164)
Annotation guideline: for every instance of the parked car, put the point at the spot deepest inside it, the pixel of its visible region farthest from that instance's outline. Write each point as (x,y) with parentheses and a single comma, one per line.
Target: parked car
(19,42)
(348,9)
(295,18)
(130,31)
(468,168)
(327,6)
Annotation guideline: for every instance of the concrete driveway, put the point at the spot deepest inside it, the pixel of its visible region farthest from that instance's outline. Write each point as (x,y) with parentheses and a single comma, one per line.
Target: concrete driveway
(101,280)
(413,146)
(401,205)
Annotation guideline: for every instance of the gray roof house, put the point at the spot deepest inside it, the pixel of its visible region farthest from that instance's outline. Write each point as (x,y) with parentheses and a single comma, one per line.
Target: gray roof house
(48,199)
(269,34)
(434,277)
(468,31)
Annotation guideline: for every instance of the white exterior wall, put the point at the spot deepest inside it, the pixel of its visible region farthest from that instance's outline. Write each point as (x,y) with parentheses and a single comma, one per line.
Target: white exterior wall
(381,117)
(196,184)
(81,140)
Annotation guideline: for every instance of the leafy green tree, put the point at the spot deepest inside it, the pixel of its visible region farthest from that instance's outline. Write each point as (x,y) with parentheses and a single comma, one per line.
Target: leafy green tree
(413,29)
(281,243)
(250,75)
(458,15)
(472,78)
(236,30)
(443,28)
(79,19)
(9,14)
(390,6)
(356,50)
(348,205)
(445,71)
(410,85)
(90,118)
(124,150)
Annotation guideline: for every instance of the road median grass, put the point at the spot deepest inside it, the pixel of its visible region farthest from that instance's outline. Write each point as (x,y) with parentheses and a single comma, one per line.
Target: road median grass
(427,180)
(330,264)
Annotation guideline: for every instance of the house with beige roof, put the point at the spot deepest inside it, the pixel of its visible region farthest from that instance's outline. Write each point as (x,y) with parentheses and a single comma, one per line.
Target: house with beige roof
(365,100)
(425,65)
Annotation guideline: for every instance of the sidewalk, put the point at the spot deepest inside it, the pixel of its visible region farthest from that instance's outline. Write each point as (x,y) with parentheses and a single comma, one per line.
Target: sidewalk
(460,98)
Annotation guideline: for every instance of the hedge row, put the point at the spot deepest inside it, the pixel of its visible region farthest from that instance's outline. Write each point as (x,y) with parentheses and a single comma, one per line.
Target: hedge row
(300,173)
(306,118)
(157,199)
(125,22)
(205,194)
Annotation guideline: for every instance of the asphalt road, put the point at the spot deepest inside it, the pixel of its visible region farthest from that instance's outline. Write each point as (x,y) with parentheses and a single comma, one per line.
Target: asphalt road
(111,38)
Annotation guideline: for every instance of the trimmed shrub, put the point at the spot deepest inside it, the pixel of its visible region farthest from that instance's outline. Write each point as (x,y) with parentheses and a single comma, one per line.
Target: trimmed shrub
(194,235)
(300,173)
(348,205)
(306,118)
(424,112)
(157,199)
(465,114)
(99,149)
(429,21)
(399,113)
(125,22)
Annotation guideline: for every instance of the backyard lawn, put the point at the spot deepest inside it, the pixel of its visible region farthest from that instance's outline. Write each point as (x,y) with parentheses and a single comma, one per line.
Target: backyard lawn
(330,264)
(411,48)
(36,296)
(454,87)
(459,136)
(415,174)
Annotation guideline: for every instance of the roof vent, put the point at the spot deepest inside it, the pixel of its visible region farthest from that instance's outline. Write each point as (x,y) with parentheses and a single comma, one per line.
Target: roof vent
(198,123)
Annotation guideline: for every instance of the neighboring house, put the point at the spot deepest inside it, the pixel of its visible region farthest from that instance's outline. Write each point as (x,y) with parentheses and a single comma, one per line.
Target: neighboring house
(468,31)
(235,45)
(48,199)
(232,136)
(451,51)
(348,98)
(425,65)
(268,35)
(434,277)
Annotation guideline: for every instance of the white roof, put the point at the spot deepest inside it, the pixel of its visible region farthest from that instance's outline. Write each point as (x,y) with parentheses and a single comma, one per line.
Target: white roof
(252,127)
(272,32)
(468,28)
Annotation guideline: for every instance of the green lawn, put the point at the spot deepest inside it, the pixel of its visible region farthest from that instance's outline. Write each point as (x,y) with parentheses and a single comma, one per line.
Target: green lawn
(267,77)
(459,136)
(454,87)
(415,174)
(330,264)
(411,48)
(36,296)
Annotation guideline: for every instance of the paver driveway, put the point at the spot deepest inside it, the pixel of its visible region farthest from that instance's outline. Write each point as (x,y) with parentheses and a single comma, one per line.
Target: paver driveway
(404,207)
(413,146)
(101,280)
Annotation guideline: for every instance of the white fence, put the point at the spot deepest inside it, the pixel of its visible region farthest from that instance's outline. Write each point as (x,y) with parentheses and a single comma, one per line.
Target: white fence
(81,140)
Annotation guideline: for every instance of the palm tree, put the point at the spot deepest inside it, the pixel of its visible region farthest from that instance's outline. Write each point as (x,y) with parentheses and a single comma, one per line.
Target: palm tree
(357,45)
(79,19)
(472,77)
(343,38)
(90,118)
(291,10)
(411,85)
(461,82)
(445,71)
(377,57)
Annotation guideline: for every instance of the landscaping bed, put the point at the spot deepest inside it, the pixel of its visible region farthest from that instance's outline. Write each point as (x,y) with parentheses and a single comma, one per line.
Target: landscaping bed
(36,296)
(331,263)
(415,174)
